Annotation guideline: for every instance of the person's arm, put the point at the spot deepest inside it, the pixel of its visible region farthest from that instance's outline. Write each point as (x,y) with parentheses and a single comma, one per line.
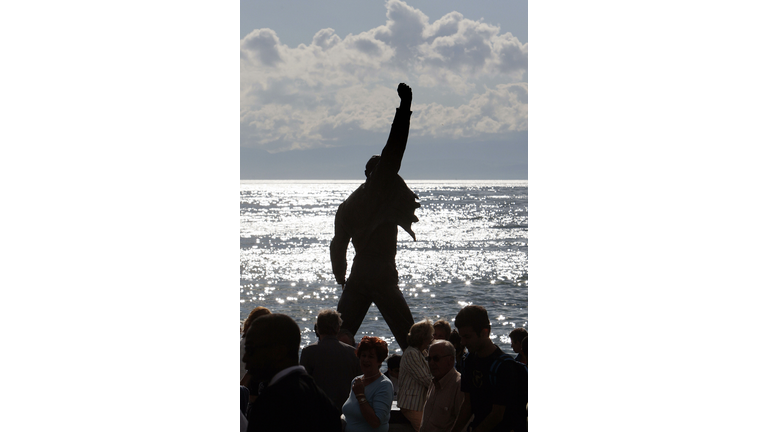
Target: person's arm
(371,410)
(382,401)
(465,413)
(491,420)
(392,154)
(339,246)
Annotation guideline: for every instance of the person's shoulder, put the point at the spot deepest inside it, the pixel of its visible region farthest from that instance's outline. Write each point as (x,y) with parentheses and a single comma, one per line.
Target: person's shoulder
(357,193)
(412,352)
(457,380)
(331,343)
(311,394)
(309,349)
(501,357)
(336,343)
(348,350)
(301,383)
(506,364)
(311,346)
(456,374)
(386,385)
(353,201)
(387,381)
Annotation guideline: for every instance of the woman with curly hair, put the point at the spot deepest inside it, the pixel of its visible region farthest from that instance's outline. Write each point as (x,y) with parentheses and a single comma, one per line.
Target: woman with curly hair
(370,400)
(415,376)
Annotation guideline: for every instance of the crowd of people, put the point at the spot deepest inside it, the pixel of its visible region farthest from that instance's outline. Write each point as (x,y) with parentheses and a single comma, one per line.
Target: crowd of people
(447,379)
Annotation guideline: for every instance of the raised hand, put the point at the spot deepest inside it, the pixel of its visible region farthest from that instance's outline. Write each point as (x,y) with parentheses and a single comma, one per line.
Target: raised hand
(404,92)
(358,387)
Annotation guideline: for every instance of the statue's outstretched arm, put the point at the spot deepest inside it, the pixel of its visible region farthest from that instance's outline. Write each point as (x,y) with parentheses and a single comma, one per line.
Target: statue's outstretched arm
(392,154)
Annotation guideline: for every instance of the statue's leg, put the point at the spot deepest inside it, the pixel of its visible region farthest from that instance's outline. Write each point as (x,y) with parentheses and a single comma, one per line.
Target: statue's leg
(353,305)
(395,312)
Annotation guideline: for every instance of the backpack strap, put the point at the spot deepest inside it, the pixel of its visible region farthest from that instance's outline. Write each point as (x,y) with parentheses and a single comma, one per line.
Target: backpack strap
(493,376)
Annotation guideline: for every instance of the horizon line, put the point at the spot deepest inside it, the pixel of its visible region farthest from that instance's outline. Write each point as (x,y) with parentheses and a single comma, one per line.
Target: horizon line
(358,180)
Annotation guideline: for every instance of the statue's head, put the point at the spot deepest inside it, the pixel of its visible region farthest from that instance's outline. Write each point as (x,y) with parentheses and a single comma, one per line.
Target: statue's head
(372,162)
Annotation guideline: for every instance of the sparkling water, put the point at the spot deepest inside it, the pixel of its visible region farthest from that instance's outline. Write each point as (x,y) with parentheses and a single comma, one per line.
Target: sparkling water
(471,248)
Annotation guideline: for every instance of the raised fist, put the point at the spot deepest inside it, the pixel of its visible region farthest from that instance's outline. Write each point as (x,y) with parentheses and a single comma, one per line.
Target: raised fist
(404,92)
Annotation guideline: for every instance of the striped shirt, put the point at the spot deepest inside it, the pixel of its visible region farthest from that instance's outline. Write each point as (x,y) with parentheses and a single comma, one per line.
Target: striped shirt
(415,379)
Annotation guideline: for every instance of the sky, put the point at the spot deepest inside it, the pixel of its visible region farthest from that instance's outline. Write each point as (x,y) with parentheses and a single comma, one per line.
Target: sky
(318,87)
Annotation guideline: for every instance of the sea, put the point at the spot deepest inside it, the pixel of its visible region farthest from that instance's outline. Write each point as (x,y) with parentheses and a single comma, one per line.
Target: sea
(471,248)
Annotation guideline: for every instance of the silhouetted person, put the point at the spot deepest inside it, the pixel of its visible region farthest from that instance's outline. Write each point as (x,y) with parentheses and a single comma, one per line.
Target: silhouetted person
(255,313)
(370,217)
(393,372)
(516,337)
(442,329)
(291,401)
(369,405)
(455,339)
(245,378)
(444,397)
(415,376)
(495,386)
(524,353)
(244,408)
(331,363)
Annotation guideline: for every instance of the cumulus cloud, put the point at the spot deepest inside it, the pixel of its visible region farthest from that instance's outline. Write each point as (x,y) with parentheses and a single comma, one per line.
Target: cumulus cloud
(318,94)
(325,38)
(498,110)
(261,44)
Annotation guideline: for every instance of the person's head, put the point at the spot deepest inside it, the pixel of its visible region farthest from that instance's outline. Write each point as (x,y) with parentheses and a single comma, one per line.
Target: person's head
(255,313)
(442,356)
(474,327)
(328,322)
(420,335)
(516,337)
(372,162)
(347,337)
(371,351)
(442,329)
(455,339)
(393,365)
(372,343)
(271,345)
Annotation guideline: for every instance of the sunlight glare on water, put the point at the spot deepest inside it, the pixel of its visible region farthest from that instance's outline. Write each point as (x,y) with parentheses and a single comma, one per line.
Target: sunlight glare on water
(471,248)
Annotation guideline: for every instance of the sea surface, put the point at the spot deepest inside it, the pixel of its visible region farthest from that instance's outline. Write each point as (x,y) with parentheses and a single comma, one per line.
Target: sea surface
(471,248)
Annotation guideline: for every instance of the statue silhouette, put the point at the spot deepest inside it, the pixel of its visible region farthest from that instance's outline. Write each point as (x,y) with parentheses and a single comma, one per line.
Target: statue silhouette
(370,217)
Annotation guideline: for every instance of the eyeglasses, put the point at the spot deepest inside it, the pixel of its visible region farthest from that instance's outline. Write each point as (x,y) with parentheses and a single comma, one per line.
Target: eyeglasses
(436,357)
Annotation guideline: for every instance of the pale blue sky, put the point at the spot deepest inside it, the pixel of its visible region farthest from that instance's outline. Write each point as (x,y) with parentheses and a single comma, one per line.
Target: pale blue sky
(296,21)
(318,84)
